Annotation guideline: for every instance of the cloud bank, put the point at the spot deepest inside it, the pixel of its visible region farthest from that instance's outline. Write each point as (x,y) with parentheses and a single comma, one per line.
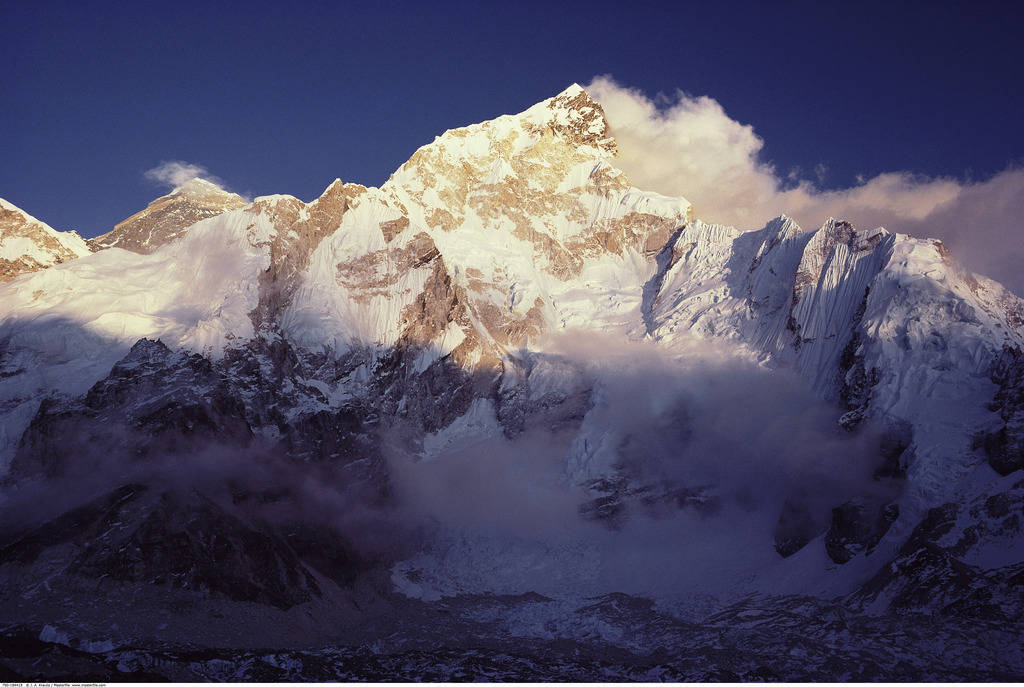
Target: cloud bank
(690,147)
(509,514)
(175,173)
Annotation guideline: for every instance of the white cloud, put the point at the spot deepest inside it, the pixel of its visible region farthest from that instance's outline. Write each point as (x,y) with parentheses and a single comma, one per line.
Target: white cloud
(175,173)
(690,147)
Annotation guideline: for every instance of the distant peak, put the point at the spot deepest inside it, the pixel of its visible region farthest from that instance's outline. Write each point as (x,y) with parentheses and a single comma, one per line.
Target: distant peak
(333,187)
(572,91)
(199,185)
(575,97)
(203,192)
(577,117)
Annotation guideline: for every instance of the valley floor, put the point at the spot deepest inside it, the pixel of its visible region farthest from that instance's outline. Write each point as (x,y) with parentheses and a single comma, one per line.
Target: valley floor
(532,638)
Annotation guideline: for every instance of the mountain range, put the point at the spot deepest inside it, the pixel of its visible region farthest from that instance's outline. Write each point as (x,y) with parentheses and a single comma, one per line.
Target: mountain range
(508,399)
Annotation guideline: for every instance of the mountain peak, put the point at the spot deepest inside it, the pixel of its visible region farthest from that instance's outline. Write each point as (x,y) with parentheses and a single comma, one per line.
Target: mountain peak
(29,245)
(541,144)
(576,117)
(197,186)
(168,217)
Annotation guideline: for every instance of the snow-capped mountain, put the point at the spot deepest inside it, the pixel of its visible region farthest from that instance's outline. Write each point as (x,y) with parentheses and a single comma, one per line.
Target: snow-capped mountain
(508,372)
(168,217)
(28,245)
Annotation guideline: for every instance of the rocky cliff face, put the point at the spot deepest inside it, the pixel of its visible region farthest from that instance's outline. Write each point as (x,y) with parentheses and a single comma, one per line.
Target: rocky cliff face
(373,390)
(1004,442)
(169,217)
(28,245)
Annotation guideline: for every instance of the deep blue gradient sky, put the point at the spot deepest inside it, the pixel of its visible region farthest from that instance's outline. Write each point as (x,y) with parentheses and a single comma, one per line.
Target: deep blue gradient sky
(283,97)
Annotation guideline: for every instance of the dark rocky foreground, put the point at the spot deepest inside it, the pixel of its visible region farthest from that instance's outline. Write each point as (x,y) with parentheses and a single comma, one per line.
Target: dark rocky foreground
(622,639)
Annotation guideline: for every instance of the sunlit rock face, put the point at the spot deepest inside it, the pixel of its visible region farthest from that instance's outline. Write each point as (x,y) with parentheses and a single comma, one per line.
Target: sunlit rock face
(28,245)
(501,384)
(169,217)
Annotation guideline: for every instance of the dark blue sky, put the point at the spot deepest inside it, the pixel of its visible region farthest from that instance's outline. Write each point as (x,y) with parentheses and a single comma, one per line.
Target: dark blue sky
(283,97)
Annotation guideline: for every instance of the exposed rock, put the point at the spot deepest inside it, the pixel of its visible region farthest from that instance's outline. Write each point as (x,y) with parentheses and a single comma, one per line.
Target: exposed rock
(154,402)
(298,232)
(179,540)
(796,527)
(857,527)
(952,562)
(168,217)
(1004,446)
(28,245)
